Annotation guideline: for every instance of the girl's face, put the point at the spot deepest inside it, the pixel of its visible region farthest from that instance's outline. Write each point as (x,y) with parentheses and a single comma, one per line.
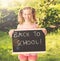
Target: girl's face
(27,14)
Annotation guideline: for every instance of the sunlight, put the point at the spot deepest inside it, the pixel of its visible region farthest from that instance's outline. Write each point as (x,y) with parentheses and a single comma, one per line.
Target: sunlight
(5,3)
(21,1)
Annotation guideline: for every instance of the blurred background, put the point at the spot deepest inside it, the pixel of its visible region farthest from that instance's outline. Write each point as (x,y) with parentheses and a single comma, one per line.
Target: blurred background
(47,15)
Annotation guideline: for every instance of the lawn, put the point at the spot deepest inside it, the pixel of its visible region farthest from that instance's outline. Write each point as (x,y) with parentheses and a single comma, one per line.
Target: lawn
(52,48)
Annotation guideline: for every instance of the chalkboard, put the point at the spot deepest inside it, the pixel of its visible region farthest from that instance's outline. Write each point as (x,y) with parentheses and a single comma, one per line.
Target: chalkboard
(28,41)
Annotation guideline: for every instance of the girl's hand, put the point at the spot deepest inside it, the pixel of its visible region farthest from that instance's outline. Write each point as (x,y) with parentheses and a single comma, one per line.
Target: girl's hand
(44,30)
(11,32)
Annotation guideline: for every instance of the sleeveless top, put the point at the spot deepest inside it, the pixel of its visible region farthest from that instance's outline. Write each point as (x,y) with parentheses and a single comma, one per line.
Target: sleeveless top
(27,27)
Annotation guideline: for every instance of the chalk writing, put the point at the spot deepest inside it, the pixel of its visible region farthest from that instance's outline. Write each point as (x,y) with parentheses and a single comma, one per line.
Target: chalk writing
(28,40)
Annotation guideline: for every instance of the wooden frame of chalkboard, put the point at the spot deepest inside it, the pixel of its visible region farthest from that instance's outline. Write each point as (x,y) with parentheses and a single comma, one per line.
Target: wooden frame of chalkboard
(28,41)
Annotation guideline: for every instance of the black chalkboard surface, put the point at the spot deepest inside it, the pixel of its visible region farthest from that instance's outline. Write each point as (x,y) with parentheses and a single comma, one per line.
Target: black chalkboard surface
(28,41)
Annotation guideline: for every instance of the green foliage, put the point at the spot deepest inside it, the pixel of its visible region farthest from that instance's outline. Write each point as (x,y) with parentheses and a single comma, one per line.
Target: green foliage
(8,19)
(52,17)
(47,11)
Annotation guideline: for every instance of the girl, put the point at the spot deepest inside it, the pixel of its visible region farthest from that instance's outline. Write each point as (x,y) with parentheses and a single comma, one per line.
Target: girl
(27,21)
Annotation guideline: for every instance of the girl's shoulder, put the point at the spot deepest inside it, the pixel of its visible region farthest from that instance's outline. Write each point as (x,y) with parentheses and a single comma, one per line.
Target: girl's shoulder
(19,26)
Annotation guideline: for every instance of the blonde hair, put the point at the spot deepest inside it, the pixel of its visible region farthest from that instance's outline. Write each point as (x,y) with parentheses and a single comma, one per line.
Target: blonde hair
(20,17)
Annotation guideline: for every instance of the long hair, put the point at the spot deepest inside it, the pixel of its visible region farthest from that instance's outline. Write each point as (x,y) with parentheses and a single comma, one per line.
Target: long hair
(20,17)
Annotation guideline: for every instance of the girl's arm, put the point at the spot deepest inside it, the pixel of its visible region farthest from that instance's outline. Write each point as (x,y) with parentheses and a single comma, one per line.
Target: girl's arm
(18,26)
(11,32)
(43,29)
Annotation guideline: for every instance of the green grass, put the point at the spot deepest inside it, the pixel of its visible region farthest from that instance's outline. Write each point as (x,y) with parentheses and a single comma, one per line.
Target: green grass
(6,48)
(52,48)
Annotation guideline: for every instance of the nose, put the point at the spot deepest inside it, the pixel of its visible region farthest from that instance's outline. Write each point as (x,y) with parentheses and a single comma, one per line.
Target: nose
(27,16)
